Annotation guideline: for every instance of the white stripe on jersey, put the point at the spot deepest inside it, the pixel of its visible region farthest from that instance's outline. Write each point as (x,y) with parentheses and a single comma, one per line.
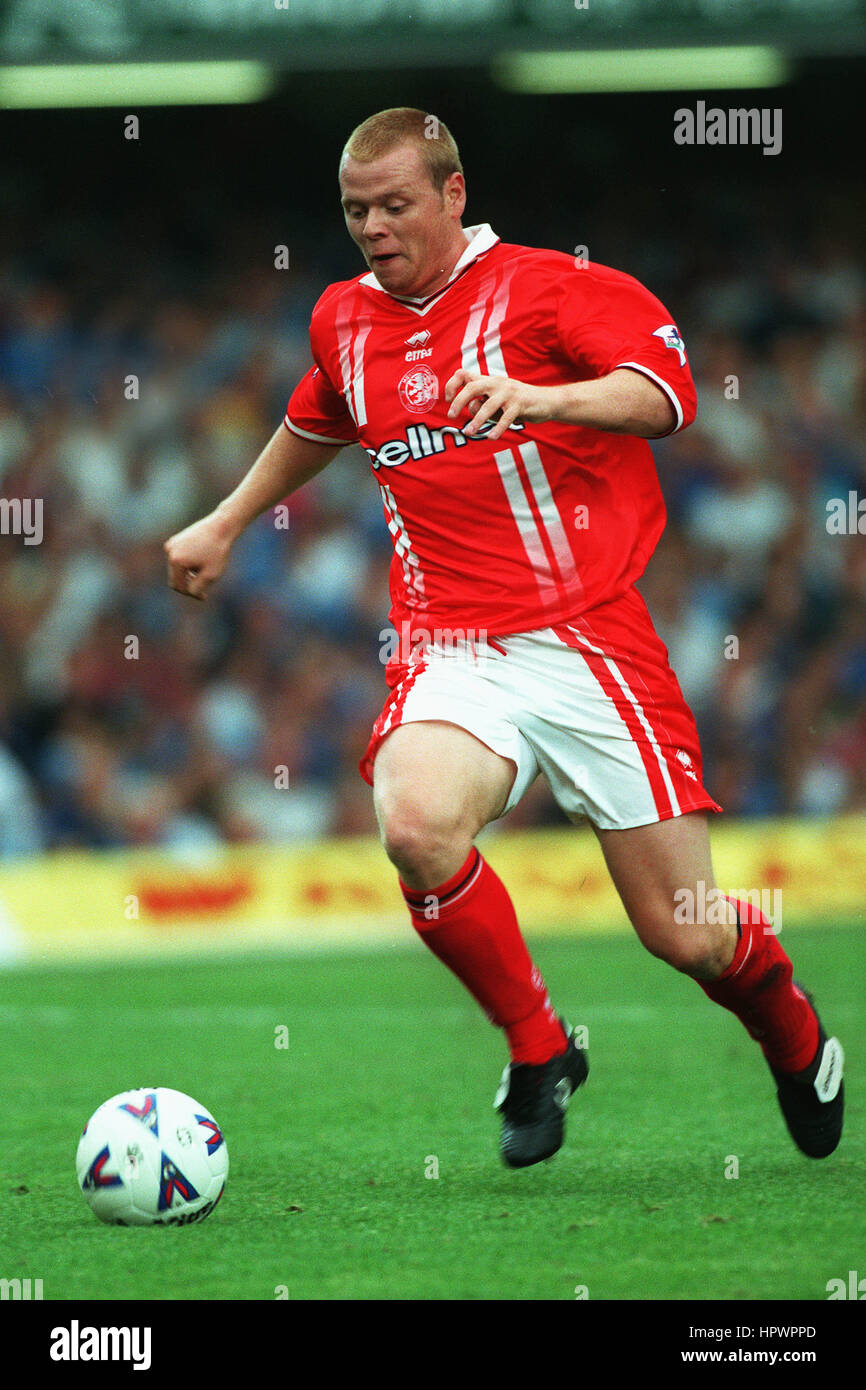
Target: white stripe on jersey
(413,575)
(549,513)
(351,346)
(549,583)
(491,348)
(524,520)
(364,326)
(344,343)
(633,701)
(469,346)
(486,357)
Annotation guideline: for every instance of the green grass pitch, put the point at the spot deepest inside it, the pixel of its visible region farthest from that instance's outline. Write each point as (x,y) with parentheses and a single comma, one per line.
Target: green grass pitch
(388,1079)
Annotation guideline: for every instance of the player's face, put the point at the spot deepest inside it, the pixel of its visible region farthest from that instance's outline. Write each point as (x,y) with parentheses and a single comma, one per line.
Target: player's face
(409,233)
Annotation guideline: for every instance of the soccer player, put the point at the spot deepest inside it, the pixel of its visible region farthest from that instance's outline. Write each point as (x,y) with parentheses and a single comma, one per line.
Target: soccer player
(505,396)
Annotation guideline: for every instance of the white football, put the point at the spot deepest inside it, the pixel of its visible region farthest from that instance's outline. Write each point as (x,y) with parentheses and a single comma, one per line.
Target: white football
(152,1157)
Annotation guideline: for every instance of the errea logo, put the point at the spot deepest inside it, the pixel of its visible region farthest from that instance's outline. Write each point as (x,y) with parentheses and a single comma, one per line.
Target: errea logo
(418,343)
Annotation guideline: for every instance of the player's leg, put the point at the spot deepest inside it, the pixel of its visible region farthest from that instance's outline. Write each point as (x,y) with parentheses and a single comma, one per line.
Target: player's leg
(435,787)
(624,752)
(732,950)
(655,868)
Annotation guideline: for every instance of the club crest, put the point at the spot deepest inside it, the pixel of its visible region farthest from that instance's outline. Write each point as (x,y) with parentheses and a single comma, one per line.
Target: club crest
(419,390)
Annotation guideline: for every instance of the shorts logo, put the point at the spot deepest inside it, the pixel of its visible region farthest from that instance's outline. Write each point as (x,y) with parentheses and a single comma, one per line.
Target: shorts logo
(669,334)
(686,763)
(419,390)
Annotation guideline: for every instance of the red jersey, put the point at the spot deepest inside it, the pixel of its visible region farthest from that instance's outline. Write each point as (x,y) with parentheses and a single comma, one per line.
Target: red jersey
(527,530)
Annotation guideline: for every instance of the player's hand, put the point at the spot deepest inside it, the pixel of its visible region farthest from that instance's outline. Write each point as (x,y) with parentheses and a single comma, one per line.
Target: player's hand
(500,398)
(198,555)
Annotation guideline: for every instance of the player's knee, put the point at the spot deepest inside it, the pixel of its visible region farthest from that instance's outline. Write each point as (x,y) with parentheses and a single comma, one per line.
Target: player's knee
(695,949)
(694,955)
(418,841)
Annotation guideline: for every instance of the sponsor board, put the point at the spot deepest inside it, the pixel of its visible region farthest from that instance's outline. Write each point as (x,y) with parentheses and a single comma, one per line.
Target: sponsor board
(92,906)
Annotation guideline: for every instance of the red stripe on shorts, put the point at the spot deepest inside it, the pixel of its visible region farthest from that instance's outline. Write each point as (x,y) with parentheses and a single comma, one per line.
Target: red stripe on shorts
(402,692)
(627,713)
(389,719)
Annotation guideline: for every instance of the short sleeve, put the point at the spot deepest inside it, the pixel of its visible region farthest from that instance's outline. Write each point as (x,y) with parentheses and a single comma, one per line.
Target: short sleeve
(317,411)
(607,320)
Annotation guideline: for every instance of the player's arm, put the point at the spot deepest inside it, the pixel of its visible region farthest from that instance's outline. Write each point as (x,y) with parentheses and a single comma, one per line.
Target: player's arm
(623,402)
(198,555)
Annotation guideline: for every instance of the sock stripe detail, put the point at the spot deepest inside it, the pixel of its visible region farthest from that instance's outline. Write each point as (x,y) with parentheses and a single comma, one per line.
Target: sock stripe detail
(749,939)
(418,902)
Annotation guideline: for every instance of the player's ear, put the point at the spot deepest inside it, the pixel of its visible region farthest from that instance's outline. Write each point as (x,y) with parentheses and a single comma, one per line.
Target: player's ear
(454,193)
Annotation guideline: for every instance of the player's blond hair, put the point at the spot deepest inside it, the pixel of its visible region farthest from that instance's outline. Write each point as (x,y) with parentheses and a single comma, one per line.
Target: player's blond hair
(382,133)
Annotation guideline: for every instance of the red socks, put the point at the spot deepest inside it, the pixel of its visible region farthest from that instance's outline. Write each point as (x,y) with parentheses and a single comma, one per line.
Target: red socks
(758,987)
(469,923)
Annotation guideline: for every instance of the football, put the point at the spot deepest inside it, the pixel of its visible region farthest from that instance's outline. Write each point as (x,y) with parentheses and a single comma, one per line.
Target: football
(152,1157)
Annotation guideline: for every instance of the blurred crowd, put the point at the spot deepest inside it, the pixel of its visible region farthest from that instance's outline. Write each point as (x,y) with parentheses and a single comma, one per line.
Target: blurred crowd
(132,400)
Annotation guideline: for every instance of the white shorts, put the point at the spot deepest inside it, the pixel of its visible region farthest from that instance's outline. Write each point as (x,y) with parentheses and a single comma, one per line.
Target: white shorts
(594,705)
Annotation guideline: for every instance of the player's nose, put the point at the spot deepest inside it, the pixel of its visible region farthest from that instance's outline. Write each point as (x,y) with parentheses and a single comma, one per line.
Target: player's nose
(374,226)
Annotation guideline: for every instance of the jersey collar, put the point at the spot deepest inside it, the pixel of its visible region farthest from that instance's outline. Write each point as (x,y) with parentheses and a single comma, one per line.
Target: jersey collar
(479,239)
